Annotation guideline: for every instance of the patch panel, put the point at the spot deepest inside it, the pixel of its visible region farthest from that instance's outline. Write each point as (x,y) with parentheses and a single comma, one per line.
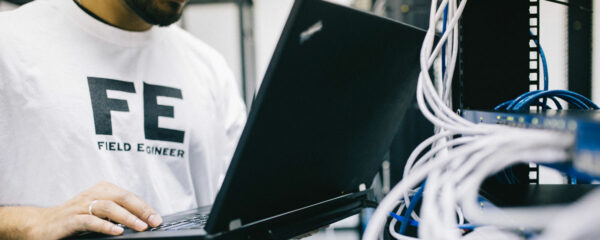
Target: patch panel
(585,125)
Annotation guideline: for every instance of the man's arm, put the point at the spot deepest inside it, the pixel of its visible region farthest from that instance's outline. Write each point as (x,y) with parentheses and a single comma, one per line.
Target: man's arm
(110,202)
(14,221)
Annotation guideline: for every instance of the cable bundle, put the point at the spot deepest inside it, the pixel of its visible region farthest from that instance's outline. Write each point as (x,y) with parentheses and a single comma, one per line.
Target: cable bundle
(539,97)
(534,98)
(454,167)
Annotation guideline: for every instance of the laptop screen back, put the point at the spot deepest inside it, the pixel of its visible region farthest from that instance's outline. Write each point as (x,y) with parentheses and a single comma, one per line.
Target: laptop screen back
(335,91)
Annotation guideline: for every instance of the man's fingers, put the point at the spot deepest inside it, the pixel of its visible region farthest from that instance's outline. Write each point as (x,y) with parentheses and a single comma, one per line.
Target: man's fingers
(138,207)
(132,203)
(85,222)
(116,213)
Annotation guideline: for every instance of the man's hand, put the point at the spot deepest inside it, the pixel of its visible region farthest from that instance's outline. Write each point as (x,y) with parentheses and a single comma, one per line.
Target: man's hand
(110,202)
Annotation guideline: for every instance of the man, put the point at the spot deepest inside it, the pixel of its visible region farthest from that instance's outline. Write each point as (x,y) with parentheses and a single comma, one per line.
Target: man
(104,115)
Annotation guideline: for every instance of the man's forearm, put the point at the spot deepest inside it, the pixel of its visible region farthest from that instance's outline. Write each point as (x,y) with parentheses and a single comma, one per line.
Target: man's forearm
(17,222)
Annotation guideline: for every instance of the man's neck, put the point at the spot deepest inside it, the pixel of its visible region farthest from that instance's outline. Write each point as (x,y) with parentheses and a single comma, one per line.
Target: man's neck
(117,13)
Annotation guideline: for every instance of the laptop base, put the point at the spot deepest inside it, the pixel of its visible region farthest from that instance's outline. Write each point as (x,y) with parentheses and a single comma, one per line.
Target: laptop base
(283,226)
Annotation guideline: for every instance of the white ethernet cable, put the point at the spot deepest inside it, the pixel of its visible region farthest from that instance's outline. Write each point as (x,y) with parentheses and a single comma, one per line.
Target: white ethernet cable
(459,182)
(577,221)
(392,227)
(454,179)
(455,168)
(447,119)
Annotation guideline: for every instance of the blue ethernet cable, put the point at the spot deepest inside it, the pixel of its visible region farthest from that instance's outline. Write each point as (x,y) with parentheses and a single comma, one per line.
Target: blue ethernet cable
(403,219)
(414,223)
(532,98)
(411,207)
(505,105)
(521,98)
(572,97)
(544,63)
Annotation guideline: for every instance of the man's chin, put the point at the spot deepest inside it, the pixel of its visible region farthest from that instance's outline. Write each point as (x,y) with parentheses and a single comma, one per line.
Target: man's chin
(157,12)
(170,7)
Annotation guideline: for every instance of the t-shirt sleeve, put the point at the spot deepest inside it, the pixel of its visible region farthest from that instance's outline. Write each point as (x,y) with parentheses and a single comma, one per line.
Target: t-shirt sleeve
(7,61)
(233,110)
(9,74)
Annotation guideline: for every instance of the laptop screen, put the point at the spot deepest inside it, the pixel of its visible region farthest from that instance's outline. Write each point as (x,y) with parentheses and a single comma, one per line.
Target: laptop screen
(330,104)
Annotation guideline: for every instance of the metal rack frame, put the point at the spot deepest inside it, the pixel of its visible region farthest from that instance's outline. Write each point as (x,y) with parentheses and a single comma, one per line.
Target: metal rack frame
(534,68)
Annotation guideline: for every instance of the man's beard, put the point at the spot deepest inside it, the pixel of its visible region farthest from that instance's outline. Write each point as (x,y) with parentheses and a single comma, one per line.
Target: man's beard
(153,14)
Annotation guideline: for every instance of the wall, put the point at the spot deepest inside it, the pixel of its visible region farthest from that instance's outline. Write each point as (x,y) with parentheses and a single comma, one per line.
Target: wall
(554,40)
(269,19)
(218,25)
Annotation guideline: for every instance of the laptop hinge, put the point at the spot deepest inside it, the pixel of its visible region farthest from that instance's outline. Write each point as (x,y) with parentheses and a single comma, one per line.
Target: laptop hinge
(235,224)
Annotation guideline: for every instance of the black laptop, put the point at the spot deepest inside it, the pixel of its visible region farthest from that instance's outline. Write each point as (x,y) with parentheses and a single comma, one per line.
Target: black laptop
(337,87)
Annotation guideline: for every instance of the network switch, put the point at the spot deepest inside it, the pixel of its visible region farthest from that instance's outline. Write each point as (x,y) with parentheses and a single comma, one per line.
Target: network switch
(585,125)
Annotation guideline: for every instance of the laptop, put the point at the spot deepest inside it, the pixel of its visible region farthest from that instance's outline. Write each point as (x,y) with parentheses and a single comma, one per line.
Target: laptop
(336,89)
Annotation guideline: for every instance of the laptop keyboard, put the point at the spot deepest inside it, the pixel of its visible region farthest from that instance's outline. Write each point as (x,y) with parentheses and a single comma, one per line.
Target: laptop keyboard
(195,221)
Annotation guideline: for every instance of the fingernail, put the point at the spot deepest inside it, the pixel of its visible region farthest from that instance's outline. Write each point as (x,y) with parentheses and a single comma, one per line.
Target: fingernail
(155,220)
(117,230)
(140,225)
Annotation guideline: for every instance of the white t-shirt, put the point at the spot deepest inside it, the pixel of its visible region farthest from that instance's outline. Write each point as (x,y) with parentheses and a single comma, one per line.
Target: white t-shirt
(157,113)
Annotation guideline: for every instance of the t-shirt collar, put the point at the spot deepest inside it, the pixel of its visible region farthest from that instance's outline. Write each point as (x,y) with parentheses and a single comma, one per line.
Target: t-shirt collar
(107,32)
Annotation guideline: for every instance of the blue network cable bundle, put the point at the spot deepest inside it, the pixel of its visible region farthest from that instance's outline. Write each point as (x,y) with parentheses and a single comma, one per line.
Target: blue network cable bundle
(584,124)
